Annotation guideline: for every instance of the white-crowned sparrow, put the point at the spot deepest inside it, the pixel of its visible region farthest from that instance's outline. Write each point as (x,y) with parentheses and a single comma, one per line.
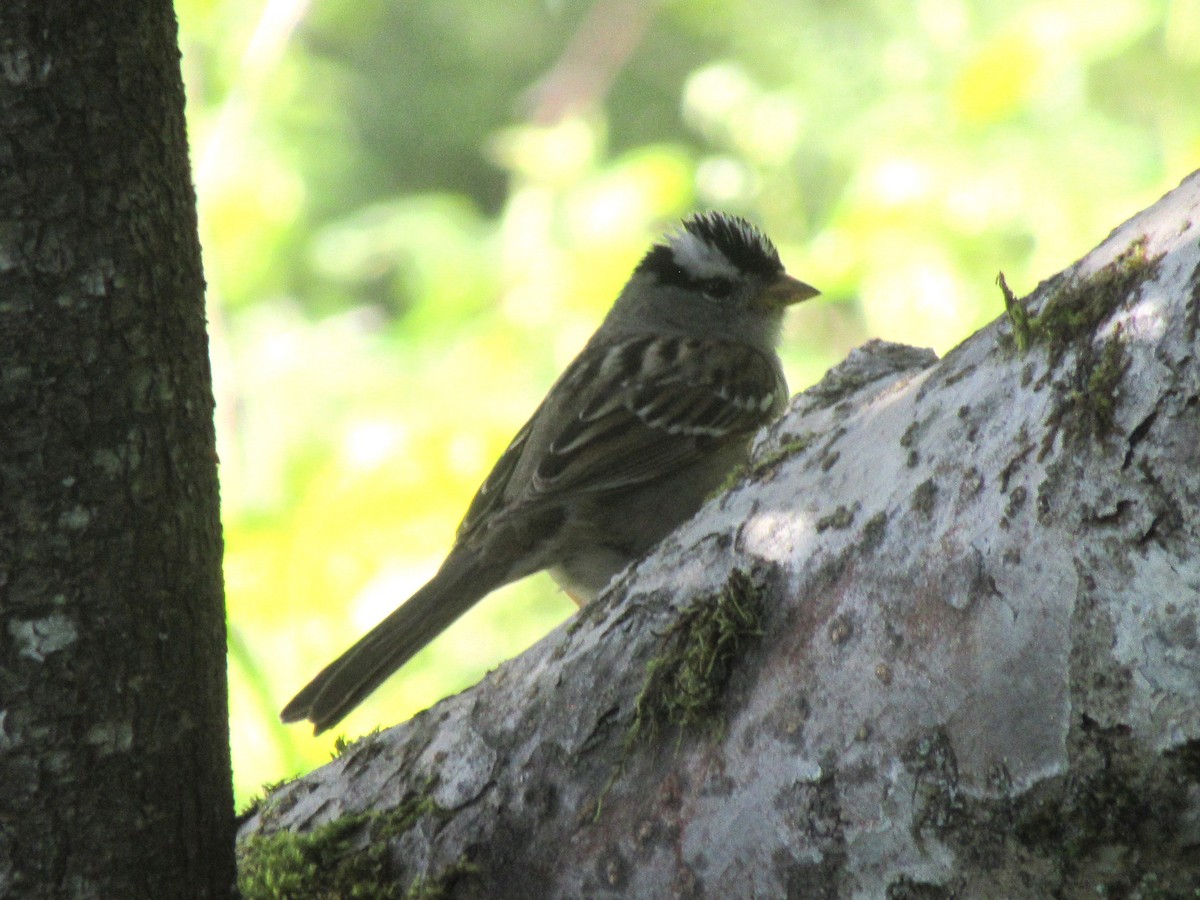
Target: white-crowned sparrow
(646,422)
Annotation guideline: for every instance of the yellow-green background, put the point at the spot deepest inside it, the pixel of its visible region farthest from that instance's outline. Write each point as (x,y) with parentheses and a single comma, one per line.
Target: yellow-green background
(413,214)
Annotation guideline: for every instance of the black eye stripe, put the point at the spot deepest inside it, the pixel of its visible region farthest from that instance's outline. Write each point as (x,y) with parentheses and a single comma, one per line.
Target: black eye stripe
(717,287)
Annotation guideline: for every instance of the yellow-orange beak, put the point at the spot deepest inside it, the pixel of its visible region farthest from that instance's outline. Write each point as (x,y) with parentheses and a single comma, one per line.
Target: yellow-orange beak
(786,290)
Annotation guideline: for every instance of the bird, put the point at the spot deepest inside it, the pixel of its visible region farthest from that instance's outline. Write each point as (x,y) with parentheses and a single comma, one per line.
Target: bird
(650,418)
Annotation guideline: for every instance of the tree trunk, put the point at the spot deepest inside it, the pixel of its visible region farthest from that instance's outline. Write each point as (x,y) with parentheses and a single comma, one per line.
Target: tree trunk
(114,767)
(940,641)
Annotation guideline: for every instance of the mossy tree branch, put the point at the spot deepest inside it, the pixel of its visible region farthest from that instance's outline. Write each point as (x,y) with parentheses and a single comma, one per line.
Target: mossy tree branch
(946,622)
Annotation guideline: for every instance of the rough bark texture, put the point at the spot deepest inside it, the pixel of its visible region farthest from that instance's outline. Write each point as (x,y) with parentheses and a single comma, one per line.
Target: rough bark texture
(114,760)
(941,641)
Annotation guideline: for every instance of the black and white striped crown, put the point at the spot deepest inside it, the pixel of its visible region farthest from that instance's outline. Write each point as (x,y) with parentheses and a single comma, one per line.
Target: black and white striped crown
(712,244)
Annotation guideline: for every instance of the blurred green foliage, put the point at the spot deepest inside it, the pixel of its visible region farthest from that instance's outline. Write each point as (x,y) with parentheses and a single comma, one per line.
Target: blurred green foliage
(413,215)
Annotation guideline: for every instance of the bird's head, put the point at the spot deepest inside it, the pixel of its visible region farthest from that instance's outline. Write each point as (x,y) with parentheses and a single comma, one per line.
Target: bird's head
(717,276)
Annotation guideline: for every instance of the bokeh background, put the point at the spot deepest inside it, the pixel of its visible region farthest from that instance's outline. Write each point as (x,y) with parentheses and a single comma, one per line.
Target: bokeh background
(414,213)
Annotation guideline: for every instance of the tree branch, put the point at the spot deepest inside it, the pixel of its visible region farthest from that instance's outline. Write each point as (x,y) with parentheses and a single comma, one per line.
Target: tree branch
(943,635)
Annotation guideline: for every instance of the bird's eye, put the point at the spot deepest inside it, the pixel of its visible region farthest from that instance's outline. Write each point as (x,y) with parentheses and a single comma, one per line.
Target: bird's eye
(716,288)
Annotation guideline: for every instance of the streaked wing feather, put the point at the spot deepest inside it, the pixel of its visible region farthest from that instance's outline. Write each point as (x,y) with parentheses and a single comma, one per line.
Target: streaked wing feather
(662,417)
(492,491)
(600,472)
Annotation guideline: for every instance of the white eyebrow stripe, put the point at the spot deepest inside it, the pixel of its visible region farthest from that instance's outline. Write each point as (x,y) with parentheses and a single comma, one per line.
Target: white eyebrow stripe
(699,258)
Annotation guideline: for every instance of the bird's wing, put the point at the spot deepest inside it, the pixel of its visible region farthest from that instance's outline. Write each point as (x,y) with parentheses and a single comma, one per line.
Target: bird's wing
(668,401)
(645,406)
(492,492)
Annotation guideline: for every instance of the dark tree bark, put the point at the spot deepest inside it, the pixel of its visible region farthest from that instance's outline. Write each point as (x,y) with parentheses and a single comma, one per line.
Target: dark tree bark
(114,761)
(941,641)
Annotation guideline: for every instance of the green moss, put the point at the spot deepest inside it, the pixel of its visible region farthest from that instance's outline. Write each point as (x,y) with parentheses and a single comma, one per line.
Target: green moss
(344,858)
(1017,314)
(324,863)
(1088,407)
(874,532)
(341,745)
(1100,389)
(1079,306)
(441,886)
(924,498)
(685,682)
(255,803)
(415,807)
(1070,318)
(761,467)
(840,519)
(787,448)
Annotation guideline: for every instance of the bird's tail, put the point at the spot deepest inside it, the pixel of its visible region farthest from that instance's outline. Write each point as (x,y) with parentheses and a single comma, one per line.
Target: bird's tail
(349,679)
